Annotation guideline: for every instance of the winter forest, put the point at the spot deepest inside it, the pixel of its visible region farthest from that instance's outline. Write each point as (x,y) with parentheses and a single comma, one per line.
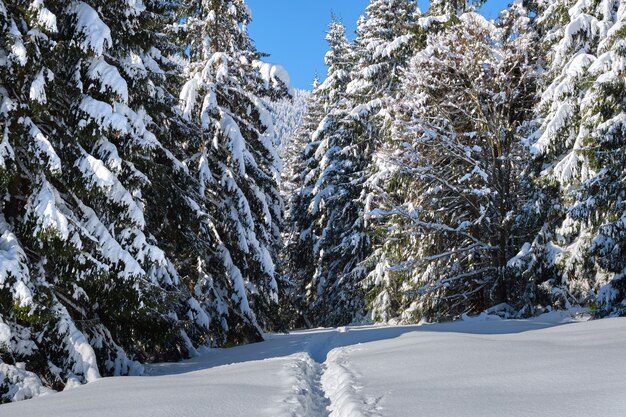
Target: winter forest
(163,188)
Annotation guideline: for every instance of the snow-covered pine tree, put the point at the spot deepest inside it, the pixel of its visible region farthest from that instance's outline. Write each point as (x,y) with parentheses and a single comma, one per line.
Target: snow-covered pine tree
(324,194)
(289,114)
(84,110)
(602,199)
(450,189)
(297,262)
(578,149)
(179,216)
(235,158)
(349,135)
(306,217)
(385,42)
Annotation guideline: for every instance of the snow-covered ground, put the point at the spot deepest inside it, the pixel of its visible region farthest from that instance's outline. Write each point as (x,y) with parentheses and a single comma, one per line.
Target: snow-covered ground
(550,366)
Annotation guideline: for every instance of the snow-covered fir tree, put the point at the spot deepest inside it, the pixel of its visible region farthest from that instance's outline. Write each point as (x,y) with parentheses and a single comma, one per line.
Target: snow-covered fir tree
(304,212)
(289,114)
(385,38)
(576,257)
(448,186)
(293,142)
(235,159)
(362,79)
(301,165)
(85,285)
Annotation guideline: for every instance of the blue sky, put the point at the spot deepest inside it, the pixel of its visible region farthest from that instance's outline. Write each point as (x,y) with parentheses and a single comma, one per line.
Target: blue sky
(292,31)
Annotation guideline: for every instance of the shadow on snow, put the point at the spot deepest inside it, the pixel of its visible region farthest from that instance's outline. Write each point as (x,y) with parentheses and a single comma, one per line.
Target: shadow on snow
(319,342)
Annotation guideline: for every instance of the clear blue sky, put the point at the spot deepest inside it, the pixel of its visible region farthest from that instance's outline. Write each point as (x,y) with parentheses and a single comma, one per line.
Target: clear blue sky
(292,31)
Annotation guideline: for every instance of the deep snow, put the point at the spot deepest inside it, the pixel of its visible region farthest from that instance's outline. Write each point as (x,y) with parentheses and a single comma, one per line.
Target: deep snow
(550,366)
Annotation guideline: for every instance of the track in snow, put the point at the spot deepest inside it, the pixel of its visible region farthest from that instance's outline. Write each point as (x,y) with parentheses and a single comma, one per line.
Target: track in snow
(324,383)
(307,396)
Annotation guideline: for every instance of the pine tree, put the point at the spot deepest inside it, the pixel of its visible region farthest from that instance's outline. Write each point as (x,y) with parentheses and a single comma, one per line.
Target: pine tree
(300,164)
(382,48)
(361,81)
(235,159)
(577,157)
(450,192)
(289,114)
(306,209)
(89,288)
(339,235)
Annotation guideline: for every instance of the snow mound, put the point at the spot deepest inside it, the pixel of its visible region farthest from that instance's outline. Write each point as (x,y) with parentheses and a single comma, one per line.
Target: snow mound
(19,384)
(273,75)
